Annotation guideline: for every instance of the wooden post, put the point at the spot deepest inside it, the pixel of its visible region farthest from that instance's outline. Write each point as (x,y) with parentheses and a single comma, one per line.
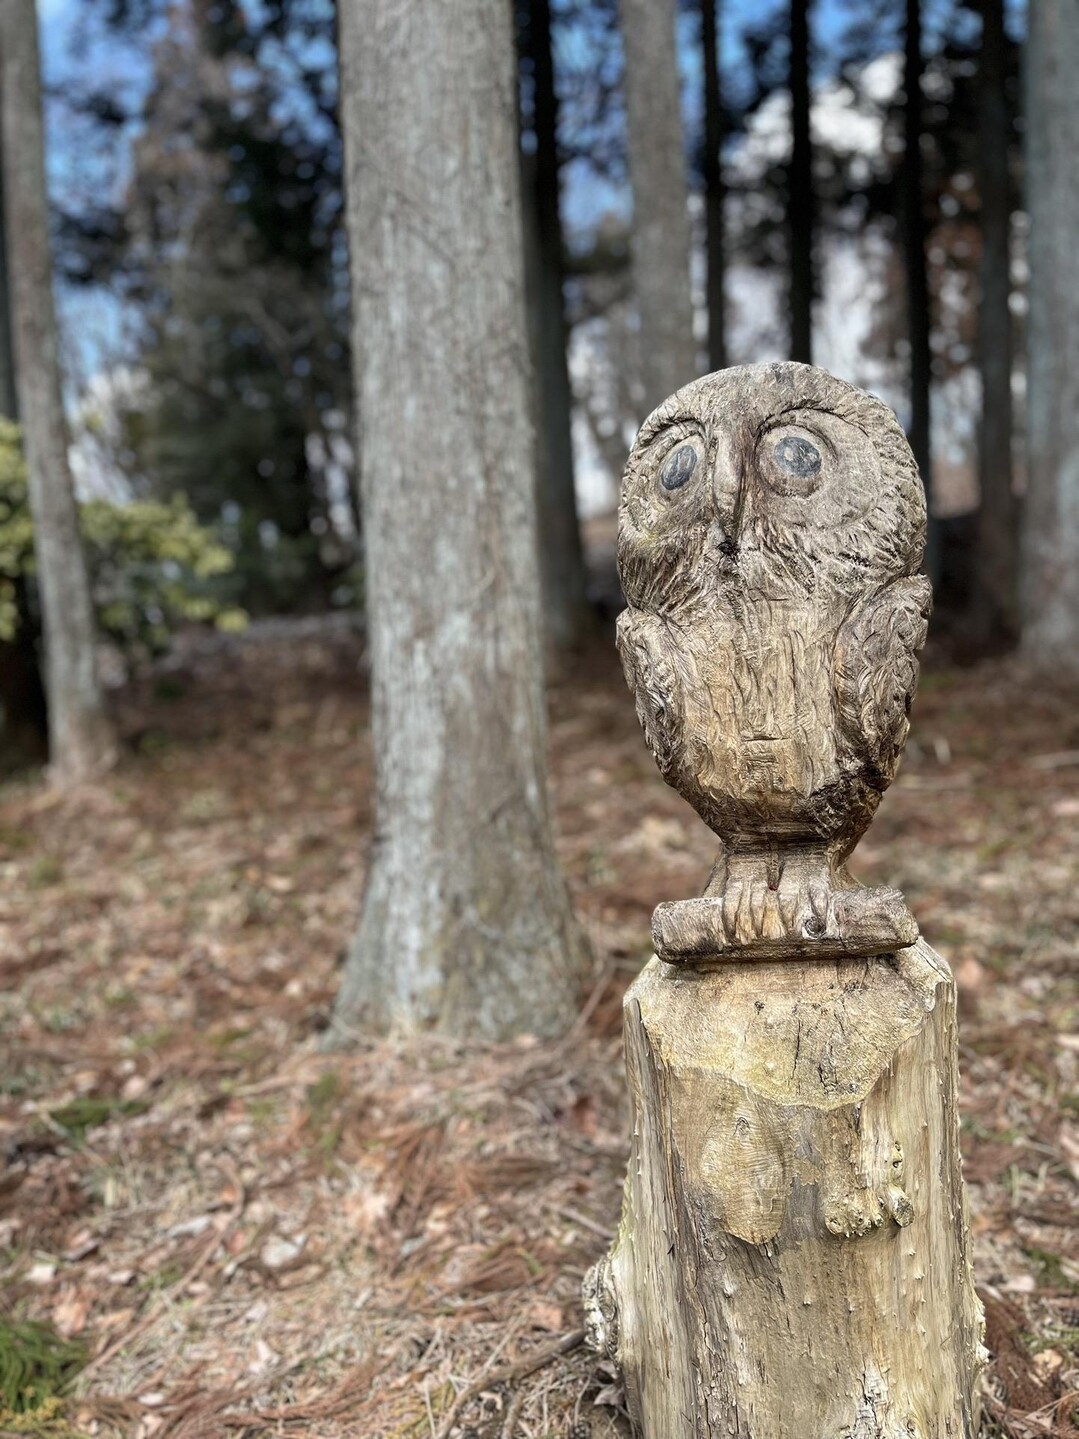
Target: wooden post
(793,1256)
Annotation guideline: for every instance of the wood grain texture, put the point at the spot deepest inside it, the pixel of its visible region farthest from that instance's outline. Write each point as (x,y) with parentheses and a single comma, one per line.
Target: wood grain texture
(793,1259)
(793,1256)
(770,532)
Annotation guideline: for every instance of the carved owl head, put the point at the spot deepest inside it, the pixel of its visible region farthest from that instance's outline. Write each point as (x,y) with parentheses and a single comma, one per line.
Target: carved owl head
(767,481)
(770,526)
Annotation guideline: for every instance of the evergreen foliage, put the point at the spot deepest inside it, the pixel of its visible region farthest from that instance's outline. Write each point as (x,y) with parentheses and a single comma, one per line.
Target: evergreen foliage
(36,1365)
(152,565)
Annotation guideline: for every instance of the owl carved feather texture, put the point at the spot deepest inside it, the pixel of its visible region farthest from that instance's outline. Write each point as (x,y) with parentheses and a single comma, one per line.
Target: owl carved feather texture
(877,672)
(771,527)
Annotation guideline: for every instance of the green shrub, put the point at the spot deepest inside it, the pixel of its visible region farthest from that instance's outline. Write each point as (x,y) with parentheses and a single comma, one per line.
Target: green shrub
(152,565)
(36,1365)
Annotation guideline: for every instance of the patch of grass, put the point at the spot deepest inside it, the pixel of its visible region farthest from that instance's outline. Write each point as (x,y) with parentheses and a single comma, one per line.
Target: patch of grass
(1051,1266)
(45,871)
(13,839)
(169,688)
(36,1365)
(154,742)
(162,1278)
(81,1115)
(262,1112)
(226,1038)
(120,998)
(151,1039)
(25,1082)
(322,1097)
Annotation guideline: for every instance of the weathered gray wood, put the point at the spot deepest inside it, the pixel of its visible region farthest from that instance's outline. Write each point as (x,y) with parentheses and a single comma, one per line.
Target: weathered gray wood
(80,736)
(793,1257)
(657,171)
(466,925)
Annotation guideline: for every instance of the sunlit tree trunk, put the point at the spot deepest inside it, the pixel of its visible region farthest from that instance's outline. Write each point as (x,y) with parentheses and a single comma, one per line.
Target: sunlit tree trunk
(466,927)
(714,196)
(80,736)
(657,170)
(800,189)
(1050,562)
(996,557)
(562,570)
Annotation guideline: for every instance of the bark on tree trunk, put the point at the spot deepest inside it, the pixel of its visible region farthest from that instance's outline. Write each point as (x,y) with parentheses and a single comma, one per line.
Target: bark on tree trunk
(800,189)
(793,1256)
(562,570)
(9,400)
(466,925)
(912,210)
(996,558)
(714,195)
(1050,573)
(23,711)
(23,714)
(657,171)
(80,736)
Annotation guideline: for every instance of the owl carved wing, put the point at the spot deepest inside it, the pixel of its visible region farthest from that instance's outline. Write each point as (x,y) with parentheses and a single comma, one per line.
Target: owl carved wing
(876,670)
(648,665)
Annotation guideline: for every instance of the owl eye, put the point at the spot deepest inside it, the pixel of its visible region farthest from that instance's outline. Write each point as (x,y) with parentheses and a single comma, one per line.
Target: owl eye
(792,461)
(679,467)
(799,457)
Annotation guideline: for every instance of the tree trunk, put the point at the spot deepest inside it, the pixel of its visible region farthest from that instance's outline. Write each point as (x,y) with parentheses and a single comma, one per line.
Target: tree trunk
(80,736)
(657,170)
(1050,560)
(23,714)
(714,195)
(800,189)
(9,400)
(793,1257)
(912,213)
(996,557)
(466,925)
(562,569)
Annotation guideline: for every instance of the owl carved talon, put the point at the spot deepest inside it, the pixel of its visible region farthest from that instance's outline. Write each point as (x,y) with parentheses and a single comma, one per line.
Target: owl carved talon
(856,923)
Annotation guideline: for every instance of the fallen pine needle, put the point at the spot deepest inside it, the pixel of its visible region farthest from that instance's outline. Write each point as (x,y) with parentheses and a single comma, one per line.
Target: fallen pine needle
(521,1369)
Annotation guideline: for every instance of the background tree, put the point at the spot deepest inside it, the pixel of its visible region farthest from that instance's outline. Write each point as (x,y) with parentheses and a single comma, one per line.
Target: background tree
(912,217)
(80,734)
(1050,572)
(712,176)
(227,250)
(996,559)
(565,600)
(661,234)
(23,715)
(800,196)
(466,925)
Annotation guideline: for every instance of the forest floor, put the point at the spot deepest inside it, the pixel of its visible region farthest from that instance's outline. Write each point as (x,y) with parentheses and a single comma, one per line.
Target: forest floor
(247,1236)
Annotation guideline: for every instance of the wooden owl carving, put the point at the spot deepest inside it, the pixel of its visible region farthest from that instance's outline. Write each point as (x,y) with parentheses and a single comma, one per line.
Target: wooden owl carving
(771,525)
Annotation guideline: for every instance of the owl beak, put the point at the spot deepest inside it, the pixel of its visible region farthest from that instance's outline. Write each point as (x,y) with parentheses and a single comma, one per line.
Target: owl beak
(727,509)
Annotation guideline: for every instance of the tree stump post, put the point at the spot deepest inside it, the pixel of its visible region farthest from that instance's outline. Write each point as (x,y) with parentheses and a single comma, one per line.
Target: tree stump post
(793,1255)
